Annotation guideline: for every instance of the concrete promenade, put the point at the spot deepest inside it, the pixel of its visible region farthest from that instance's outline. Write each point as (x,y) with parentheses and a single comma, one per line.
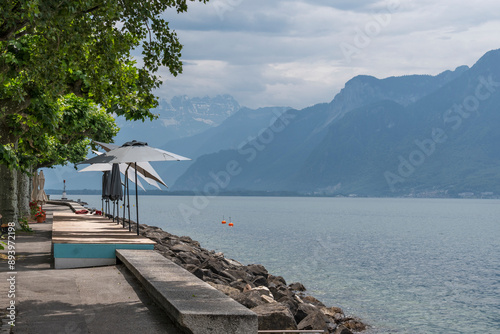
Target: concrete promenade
(87,300)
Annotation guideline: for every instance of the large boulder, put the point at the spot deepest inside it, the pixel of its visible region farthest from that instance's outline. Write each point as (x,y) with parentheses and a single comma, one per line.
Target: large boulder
(241,274)
(188,258)
(182,247)
(194,270)
(312,300)
(260,281)
(257,270)
(315,320)
(303,310)
(354,324)
(274,316)
(280,292)
(297,286)
(263,291)
(332,311)
(249,299)
(227,290)
(277,280)
(291,303)
(342,330)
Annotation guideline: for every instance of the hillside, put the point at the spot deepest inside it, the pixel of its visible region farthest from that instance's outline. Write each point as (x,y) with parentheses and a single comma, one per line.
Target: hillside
(411,135)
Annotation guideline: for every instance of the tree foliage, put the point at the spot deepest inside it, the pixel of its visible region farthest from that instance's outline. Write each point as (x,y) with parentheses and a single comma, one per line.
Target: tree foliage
(56,54)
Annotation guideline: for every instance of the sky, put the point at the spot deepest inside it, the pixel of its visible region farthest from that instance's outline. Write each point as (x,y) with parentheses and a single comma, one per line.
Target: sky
(298,53)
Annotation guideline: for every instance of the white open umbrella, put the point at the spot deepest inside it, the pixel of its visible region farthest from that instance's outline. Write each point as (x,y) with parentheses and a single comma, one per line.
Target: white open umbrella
(146,171)
(134,152)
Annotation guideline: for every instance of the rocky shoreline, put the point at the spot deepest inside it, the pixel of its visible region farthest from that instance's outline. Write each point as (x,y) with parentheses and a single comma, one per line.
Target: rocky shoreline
(278,305)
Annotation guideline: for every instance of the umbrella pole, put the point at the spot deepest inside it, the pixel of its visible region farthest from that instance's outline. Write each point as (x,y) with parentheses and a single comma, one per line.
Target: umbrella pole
(136,199)
(124,195)
(128,206)
(117,211)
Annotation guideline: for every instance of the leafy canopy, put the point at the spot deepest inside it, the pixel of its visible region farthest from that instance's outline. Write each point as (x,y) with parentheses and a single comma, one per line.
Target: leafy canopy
(55,52)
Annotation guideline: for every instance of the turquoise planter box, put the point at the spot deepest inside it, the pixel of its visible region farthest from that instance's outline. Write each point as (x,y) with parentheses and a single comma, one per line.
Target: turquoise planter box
(90,251)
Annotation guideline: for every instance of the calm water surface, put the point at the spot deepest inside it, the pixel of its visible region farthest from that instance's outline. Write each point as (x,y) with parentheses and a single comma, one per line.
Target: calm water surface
(402,265)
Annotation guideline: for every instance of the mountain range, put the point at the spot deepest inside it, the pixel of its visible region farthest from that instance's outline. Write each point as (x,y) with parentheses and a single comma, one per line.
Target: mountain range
(413,135)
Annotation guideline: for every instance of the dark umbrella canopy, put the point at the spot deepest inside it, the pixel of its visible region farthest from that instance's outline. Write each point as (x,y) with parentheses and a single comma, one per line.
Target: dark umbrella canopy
(116,191)
(106,184)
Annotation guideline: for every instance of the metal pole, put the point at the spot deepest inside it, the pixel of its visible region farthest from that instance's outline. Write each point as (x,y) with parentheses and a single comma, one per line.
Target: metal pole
(136,199)
(124,195)
(128,206)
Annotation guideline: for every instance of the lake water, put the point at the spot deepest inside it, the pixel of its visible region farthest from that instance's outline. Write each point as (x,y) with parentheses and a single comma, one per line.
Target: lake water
(401,265)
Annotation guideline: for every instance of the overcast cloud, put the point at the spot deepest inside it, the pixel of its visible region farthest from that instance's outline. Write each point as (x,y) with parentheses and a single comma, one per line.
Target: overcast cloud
(299,53)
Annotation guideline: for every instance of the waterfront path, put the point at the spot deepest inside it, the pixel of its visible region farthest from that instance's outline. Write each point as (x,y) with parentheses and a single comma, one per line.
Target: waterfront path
(87,300)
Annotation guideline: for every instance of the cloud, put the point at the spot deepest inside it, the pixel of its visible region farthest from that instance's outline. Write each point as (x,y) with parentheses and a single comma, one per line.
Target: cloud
(293,53)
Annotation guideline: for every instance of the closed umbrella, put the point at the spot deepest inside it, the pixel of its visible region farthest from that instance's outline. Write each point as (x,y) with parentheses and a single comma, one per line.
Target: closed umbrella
(41,197)
(34,192)
(116,191)
(106,188)
(135,152)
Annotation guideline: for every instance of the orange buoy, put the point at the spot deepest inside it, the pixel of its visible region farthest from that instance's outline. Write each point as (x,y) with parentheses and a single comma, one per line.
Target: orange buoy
(223,220)
(231,224)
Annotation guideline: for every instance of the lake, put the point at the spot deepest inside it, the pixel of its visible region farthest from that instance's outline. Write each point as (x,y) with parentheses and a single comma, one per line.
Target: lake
(401,265)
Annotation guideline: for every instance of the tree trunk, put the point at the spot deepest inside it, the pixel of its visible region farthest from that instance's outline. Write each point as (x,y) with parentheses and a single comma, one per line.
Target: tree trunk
(24,194)
(8,195)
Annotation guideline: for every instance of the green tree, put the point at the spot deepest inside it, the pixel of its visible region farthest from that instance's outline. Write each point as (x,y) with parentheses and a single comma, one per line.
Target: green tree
(79,50)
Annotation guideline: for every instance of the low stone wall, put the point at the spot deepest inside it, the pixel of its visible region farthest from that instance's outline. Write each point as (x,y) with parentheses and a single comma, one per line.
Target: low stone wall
(278,305)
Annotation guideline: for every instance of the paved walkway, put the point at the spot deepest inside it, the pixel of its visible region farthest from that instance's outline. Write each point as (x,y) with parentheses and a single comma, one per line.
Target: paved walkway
(89,300)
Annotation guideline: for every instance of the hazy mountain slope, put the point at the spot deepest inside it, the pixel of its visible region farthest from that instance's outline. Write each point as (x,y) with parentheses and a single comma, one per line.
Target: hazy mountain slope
(180,117)
(364,139)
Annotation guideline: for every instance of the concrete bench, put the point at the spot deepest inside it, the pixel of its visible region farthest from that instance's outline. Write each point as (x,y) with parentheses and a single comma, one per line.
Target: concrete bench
(196,306)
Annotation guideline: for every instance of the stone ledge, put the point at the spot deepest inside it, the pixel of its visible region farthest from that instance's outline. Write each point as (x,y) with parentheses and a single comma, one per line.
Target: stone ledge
(196,306)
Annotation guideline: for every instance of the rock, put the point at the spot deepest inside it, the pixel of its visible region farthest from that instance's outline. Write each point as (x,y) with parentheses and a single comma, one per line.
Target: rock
(303,310)
(247,288)
(249,299)
(241,274)
(225,273)
(290,302)
(316,320)
(312,300)
(207,273)
(280,292)
(354,324)
(194,270)
(188,258)
(257,270)
(298,299)
(213,265)
(274,316)
(263,291)
(331,311)
(297,286)
(277,280)
(181,247)
(190,241)
(227,290)
(267,299)
(260,281)
(342,330)
(234,263)
(239,284)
